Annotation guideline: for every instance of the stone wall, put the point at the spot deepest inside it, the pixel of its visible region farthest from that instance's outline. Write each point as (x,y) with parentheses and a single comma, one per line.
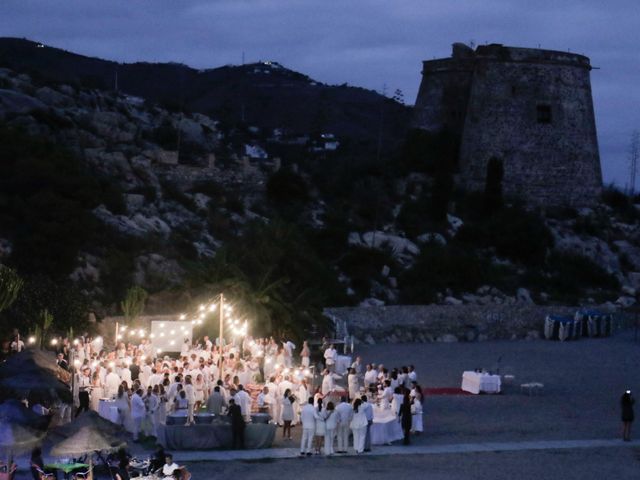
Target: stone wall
(444,323)
(531,109)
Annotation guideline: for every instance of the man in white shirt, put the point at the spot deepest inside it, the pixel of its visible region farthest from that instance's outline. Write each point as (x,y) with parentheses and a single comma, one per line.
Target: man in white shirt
(155,378)
(17,345)
(289,347)
(370,377)
(308,419)
(169,468)
(111,383)
(138,412)
(367,408)
(328,382)
(345,414)
(244,401)
(265,401)
(357,366)
(330,356)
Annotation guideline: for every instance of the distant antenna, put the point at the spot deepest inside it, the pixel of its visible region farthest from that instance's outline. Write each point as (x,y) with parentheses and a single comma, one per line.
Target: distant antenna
(634,155)
(243,57)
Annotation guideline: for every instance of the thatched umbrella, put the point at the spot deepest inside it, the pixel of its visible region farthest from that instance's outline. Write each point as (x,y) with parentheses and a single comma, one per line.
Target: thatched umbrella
(89,419)
(13,411)
(16,438)
(38,383)
(87,440)
(31,361)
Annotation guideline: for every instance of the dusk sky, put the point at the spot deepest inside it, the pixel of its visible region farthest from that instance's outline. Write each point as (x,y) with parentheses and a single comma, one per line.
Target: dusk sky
(363,43)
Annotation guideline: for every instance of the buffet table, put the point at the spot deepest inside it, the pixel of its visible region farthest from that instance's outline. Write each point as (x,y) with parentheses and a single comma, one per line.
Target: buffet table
(475,382)
(385,428)
(214,435)
(107,409)
(343,362)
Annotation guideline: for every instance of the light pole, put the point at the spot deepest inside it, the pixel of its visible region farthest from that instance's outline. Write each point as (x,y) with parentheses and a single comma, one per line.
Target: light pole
(220,339)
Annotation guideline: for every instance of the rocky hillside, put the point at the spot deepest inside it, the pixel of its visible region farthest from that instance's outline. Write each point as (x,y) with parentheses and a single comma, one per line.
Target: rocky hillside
(263,94)
(163,190)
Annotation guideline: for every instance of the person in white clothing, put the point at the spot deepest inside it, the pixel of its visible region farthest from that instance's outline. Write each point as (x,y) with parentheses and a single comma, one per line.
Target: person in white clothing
(321,429)
(345,414)
(138,412)
(416,415)
(305,354)
(328,381)
(370,377)
(152,403)
(331,419)
(330,357)
(358,426)
(353,384)
(308,419)
(111,383)
(244,401)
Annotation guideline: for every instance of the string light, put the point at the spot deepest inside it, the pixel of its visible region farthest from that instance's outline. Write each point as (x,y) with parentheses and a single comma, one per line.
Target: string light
(183,316)
(123,328)
(54,341)
(32,340)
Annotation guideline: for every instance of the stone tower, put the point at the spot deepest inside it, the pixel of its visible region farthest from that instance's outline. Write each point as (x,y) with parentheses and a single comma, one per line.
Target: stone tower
(531,109)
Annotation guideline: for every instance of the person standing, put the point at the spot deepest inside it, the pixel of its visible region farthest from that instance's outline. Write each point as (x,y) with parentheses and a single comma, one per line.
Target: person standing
(331,424)
(237,424)
(353,384)
(626,402)
(189,392)
(358,426)
(416,412)
(138,412)
(287,413)
(216,402)
(330,357)
(345,414)
(305,354)
(368,413)
(321,428)
(84,387)
(405,417)
(308,419)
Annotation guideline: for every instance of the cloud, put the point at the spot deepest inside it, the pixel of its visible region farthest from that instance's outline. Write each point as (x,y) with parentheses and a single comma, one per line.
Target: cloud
(369,43)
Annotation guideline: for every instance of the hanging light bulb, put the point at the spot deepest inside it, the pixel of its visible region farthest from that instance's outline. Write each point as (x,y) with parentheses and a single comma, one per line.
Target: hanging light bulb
(183,316)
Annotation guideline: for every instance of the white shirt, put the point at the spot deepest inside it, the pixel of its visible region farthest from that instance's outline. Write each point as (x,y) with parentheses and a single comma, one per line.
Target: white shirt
(345,413)
(244,400)
(111,383)
(167,470)
(330,355)
(138,409)
(308,416)
(370,377)
(328,383)
(17,346)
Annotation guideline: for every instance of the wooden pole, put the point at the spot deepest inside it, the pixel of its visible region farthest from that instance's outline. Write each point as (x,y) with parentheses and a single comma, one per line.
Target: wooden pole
(220,337)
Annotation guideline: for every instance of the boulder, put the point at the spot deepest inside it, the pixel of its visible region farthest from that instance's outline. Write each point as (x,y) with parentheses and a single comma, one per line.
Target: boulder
(447,338)
(533,335)
(628,291)
(625,302)
(436,238)
(398,245)
(372,302)
(523,296)
(452,301)
(368,339)
(634,279)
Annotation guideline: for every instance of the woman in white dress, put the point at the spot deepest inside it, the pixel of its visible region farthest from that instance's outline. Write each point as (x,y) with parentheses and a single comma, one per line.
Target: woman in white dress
(352,382)
(416,415)
(305,354)
(320,426)
(199,391)
(124,410)
(190,395)
(331,426)
(287,413)
(97,391)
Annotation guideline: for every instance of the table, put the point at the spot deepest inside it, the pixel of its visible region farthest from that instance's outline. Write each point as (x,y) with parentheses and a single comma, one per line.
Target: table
(385,428)
(107,409)
(67,468)
(342,363)
(180,418)
(475,382)
(215,435)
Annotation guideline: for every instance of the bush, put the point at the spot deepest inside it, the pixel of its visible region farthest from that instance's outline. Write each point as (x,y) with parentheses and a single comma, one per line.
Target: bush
(514,233)
(439,268)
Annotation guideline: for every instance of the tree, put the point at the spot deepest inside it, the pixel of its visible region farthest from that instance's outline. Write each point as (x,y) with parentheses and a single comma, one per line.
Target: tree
(10,286)
(398,96)
(133,303)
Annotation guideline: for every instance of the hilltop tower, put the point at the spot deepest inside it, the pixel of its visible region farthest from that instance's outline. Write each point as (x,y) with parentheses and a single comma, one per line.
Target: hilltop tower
(531,109)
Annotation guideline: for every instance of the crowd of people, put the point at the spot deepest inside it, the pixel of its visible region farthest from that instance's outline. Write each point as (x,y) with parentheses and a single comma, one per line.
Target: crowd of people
(240,379)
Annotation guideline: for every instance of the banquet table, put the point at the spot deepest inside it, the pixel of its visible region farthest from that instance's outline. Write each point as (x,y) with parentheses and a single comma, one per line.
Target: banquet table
(385,428)
(342,363)
(213,436)
(180,418)
(107,409)
(475,382)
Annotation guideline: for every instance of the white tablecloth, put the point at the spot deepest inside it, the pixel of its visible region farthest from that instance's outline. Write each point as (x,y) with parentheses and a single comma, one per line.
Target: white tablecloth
(385,428)
(474,382)
(342,363)
(107,409)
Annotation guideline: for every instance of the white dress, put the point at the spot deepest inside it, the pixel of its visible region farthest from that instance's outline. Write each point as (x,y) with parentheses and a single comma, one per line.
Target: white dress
(416,416)
(320,423)
(287,410)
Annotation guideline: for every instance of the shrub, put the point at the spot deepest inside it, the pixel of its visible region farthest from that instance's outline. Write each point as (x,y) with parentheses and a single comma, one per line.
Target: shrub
(438,268)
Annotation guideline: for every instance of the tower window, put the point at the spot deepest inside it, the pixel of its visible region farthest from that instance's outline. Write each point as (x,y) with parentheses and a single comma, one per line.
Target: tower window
(543,113)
